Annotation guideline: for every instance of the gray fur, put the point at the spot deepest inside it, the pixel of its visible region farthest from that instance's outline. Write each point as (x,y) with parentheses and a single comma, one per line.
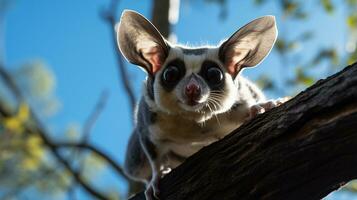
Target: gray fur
(140,148)
(136,162)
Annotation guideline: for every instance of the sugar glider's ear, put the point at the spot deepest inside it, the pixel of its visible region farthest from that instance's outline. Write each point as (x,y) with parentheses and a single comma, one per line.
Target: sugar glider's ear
(249,45)
(140,42)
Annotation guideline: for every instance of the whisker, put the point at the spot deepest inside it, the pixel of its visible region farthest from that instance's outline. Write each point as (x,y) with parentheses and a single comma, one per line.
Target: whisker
(212,100)
(216,101)
(219,123)
(217,96)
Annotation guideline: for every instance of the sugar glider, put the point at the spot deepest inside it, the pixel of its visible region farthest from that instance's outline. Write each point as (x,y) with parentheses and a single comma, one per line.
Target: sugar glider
(192,96)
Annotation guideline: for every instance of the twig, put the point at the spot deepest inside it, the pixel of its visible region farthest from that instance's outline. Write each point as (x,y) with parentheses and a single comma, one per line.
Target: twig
(93,117)
(88,125)
(10,83)
(95,150)
(109,16)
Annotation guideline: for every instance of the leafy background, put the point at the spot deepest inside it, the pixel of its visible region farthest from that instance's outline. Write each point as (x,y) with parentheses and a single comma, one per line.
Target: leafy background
(66,96)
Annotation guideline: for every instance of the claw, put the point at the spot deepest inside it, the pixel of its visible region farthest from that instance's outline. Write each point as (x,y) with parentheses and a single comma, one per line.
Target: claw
(266,106)
(255,110)
(269,105)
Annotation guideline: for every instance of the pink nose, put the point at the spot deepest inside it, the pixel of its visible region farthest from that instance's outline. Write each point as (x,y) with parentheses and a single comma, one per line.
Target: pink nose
(193,91)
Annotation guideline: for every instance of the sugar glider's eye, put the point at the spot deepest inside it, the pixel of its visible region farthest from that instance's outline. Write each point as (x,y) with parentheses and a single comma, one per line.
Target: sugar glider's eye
(171,74)
(214,75)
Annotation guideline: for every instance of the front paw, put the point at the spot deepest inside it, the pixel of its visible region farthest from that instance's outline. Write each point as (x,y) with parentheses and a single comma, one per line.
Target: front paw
(265,106)
(152,189)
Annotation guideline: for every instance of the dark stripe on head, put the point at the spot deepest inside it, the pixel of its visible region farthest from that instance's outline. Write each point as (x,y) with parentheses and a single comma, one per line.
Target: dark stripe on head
(195,51)
(206,65)
(182,71)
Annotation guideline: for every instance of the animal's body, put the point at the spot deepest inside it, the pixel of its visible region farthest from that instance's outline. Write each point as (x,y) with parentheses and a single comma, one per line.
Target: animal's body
(173,140)
(192,96)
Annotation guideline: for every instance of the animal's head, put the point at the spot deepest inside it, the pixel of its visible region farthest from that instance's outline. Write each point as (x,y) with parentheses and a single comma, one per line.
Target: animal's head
(195,82)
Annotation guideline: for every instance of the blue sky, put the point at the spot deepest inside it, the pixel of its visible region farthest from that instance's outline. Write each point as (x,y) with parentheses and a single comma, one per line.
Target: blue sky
(76,44)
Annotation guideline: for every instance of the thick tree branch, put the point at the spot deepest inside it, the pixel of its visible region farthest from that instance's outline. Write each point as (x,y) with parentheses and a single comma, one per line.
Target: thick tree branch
(303,149)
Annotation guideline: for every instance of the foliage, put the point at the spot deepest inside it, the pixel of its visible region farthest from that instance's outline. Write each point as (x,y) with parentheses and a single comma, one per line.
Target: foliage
(326,59)
(38,83)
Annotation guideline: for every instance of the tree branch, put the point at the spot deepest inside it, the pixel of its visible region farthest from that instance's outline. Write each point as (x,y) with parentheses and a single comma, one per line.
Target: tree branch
(87,127)
(160,16)
(55,151)
(94,115)
(303,149)
(95,150)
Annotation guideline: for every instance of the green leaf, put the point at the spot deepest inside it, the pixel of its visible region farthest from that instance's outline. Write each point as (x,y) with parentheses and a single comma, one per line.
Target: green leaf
(326,54)
(307,35)
(328,6)
(265,82)
(299,14)
(352,58)
(289,7)
(351,2)
(351,21)
(303,78)
(36,78)
(284,46)
(259,2)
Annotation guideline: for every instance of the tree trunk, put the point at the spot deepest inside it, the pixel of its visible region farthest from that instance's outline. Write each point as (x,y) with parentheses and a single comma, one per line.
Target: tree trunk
(160,16)
(303,149)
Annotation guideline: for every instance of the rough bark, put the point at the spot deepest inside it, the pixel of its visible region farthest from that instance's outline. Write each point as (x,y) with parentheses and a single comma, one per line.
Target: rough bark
(303,149)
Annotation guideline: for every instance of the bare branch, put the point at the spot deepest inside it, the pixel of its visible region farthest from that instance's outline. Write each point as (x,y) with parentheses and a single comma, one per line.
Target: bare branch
(89,123)
(95,150)
(93,117)
(11,84)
